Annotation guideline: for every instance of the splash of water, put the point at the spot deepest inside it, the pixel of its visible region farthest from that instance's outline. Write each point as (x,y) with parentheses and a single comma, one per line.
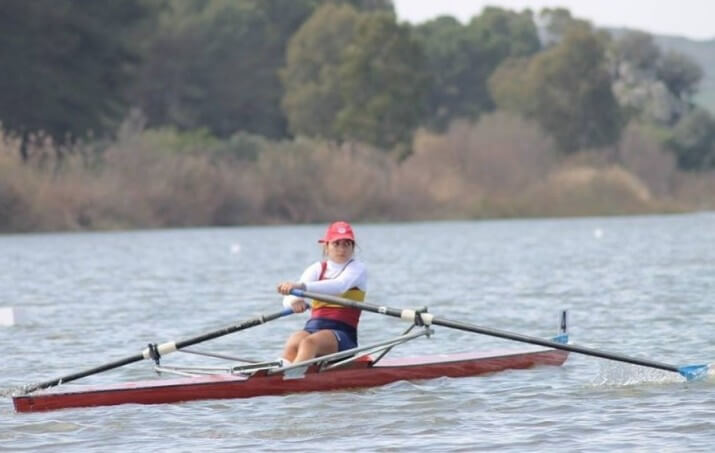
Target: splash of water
(12,391)
(621,374)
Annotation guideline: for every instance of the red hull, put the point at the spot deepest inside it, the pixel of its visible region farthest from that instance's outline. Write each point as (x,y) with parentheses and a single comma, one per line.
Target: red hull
(353,375)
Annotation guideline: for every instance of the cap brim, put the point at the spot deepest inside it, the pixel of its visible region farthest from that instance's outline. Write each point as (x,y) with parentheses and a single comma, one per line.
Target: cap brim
(336,238)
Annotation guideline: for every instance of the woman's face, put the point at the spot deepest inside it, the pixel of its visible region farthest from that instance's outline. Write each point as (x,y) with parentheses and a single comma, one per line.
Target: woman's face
(341,251)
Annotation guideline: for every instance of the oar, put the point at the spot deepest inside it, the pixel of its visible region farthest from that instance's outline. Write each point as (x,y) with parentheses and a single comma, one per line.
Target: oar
(156,351)
(690,372)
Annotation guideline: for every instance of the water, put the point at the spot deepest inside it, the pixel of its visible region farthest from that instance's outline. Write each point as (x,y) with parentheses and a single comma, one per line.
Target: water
(643,286)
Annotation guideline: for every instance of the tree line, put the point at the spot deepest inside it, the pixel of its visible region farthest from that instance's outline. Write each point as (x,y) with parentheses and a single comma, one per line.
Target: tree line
(344,71)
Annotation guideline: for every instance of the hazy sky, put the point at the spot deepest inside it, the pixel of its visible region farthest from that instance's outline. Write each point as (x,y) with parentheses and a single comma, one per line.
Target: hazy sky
(693,19)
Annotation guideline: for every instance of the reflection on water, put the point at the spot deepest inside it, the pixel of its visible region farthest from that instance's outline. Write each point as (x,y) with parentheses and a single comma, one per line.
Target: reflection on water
(641,286)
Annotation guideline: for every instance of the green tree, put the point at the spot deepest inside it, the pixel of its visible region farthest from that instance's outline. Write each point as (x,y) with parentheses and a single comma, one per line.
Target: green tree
(680,73)
(66,65)
(383,83)
(566,89)
(554,23)
(649,84)
(311,78)
(693,141)
(461,59)
(215,65)
(638,48)
(509,86)
(367,5)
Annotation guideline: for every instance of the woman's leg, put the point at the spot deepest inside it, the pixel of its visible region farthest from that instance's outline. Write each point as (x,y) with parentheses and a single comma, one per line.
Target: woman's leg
(290,350)
(316,344)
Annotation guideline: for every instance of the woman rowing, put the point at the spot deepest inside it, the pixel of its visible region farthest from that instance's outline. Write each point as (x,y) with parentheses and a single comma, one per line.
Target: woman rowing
(331,328)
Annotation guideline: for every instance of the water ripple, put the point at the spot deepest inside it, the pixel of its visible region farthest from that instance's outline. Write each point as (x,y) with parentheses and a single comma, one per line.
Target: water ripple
(642,287)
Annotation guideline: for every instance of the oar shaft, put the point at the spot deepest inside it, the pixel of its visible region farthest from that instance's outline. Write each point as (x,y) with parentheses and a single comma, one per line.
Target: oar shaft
(429,319)
(234,328)
(163,349)
(81,374)
(553,344)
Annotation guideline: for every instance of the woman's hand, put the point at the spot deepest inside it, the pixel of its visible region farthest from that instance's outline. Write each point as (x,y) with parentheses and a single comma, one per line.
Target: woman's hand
(286,287)
(298,305)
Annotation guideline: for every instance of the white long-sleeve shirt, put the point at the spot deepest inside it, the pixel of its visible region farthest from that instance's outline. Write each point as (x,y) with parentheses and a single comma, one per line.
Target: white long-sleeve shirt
(338,278)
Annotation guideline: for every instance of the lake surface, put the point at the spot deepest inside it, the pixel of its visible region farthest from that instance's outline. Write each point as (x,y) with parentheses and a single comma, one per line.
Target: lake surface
(642,286)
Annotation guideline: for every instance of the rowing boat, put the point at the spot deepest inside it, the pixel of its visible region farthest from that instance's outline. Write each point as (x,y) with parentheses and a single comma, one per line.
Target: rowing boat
(360,367)
(354,368)
(319,376)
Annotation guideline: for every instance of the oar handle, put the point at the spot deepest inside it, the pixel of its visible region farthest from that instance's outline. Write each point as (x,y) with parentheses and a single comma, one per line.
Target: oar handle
(162,349)
(689,372)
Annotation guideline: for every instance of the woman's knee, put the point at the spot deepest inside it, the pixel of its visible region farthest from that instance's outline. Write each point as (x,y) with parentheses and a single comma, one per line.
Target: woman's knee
(295,339)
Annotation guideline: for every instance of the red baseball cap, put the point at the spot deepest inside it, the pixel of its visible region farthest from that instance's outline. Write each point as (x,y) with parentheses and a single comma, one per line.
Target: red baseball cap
(337,231)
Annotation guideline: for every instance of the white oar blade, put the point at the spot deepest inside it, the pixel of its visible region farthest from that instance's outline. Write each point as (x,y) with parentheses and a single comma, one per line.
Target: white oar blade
(7,317)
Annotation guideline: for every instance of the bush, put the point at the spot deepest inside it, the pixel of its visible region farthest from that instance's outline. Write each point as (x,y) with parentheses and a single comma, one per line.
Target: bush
(473,164)
(588,191)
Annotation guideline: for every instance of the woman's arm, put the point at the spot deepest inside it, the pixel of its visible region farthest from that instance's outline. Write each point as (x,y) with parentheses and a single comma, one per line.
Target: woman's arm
(354,275)
(298,304)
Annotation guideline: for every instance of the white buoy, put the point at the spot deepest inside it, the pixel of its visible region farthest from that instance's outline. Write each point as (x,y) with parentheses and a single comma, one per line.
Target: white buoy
(7,317)
(236,248)
(598,233)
